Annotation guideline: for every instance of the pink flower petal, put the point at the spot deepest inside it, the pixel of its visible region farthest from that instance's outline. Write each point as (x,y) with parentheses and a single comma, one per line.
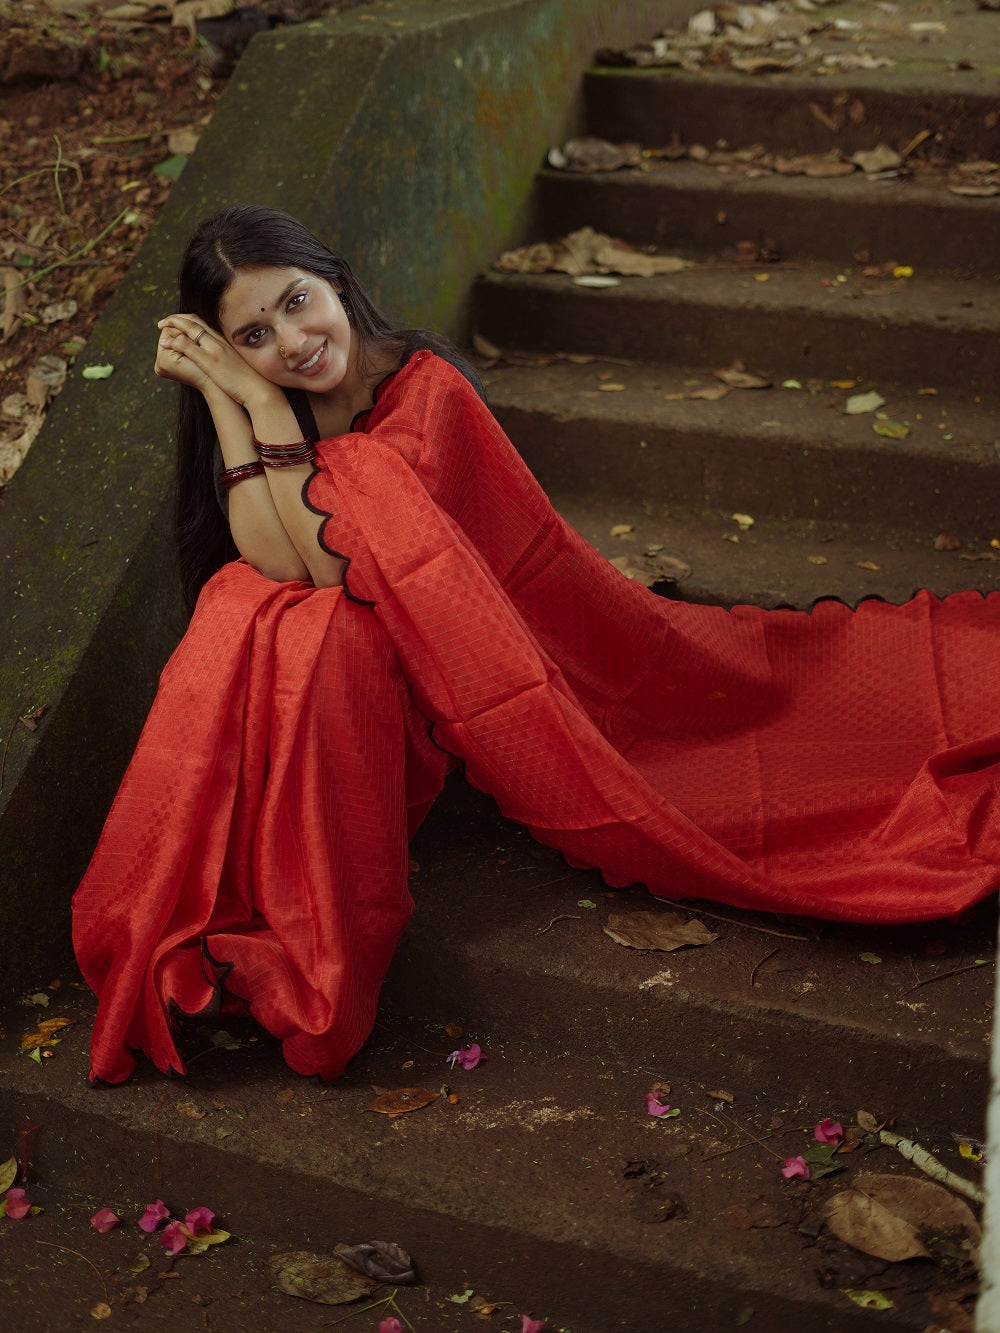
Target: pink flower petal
(199,1220)
(173,1237)
(828,1131)
(529,1325)
(153,1215)
(103,1220)
(468,1056)
(654,1106)
(17,1203)
(390,1326)
(795,1166)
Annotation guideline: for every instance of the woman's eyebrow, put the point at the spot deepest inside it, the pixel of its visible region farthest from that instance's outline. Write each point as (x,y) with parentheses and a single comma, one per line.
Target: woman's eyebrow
(245,328)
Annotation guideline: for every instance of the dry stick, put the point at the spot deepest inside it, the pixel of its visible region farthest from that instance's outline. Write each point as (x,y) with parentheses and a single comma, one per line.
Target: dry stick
(739,1127)
(84,249)
(759,965)
(724,1152)
(52,1246)
(546,882)
(365,1309)
(158,1164)
(746,925)
(6,747)
(955,972)
(930,1165)
(566,916)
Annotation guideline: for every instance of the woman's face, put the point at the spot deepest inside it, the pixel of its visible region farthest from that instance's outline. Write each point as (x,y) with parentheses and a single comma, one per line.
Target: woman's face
(290,326)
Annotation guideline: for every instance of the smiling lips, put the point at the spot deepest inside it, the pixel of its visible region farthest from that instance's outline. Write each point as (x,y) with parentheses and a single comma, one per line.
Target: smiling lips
(313,362)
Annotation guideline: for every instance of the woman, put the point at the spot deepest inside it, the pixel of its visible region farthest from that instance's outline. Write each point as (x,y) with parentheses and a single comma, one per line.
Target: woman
(407,596)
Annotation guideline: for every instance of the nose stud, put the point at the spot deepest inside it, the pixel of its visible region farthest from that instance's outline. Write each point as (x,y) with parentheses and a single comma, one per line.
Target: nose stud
(281,351)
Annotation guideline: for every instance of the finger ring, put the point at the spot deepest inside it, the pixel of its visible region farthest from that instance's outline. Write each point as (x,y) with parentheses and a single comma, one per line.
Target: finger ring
(201,334)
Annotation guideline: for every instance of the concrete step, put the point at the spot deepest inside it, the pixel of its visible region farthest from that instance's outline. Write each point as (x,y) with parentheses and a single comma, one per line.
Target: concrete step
(784,453)
(651,106)
(853,221)
(523,1189)
(797,320)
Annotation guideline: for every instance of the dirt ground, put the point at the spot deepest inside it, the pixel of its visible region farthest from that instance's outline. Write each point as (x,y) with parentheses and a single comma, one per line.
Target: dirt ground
(100,105)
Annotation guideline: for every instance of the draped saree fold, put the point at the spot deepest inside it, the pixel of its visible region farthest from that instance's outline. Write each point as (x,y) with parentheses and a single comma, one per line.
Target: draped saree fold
(838,763)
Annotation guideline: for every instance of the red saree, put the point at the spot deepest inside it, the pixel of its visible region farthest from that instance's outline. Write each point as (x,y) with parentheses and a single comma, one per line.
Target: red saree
(841,764)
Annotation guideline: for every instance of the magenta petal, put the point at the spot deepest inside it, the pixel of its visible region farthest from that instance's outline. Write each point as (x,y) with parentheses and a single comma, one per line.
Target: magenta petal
(173,1237)
(795,1166)
(103,1220)
(17,1203)
(654,1106)
(199,1219)
(153,1215)
(390,1326)
(529,1325)
(468,1056)
(828,1131)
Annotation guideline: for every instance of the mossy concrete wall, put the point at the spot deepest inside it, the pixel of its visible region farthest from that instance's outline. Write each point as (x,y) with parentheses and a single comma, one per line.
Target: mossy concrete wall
(406,134)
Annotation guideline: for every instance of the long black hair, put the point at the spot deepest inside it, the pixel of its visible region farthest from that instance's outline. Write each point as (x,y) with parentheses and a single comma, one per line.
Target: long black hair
(245,236)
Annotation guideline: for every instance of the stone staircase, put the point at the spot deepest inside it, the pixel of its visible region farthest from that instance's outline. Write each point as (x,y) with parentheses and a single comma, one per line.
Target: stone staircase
(547,1185)
(829,318)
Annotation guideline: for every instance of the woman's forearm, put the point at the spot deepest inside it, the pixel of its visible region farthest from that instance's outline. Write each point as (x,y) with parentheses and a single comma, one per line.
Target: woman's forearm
(273,422)
(257,529)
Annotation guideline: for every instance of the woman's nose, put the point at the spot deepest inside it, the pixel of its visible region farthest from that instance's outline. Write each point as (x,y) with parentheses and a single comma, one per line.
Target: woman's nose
(290,337)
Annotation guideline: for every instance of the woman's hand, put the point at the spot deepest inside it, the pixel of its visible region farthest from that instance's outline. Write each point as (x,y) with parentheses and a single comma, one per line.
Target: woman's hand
(191,353)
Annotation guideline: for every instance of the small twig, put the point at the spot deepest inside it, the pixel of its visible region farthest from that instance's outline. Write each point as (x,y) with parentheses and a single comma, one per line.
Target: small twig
(724,1152)
(60,263)
(758,966)
(6,747)
(388,1301)
(158,1164)
(53,1246)
(930,1165)
(546,882)
(735,1125)
(126,138)
(955,972)
(565,916)
(764,930)
(55,176)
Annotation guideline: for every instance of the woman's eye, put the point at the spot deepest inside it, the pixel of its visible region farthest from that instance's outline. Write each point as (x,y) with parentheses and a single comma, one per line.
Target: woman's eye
(254,337)
(296,300)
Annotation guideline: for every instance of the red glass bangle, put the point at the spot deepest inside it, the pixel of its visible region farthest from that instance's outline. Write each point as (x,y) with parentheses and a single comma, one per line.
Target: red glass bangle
(284,455)
(232,475)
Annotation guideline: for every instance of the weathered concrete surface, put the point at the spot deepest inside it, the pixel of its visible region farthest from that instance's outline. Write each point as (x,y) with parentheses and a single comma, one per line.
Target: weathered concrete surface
(411,149)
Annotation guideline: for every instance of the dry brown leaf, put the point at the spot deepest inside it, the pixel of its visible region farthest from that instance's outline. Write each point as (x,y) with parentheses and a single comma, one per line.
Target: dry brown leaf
(947,541)
(868,564)
(649,569)
(190,1111)
(586,252)
(737,376)
(657,930)
(13,301)
(401,1101)
(879,158)
(891,1217)
(711,393)
(593,154)
(317,1277)
(720,1095)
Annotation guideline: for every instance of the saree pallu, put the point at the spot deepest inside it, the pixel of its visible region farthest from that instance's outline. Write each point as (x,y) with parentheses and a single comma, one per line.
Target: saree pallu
(836,763)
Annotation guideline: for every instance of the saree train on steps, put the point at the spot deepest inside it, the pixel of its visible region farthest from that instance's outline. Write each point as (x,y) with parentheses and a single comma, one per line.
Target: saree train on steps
(838,763)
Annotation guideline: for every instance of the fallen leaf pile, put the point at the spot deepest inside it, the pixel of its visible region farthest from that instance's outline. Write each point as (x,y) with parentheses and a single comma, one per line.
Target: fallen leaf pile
(587,252)
(778,37)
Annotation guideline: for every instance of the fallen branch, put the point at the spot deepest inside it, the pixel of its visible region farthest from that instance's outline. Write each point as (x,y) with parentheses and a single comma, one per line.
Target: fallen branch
(930,1165)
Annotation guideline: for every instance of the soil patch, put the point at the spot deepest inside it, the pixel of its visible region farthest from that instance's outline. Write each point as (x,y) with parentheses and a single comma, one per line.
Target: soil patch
(101,104)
